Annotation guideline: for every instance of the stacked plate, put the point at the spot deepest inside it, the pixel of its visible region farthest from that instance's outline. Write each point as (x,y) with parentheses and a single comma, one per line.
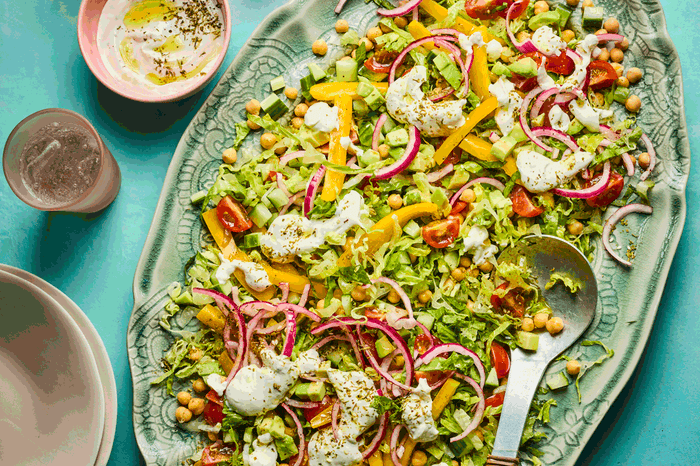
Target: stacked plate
(58,397)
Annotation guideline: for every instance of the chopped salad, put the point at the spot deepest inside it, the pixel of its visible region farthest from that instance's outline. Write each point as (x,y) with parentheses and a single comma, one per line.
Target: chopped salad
(351,307)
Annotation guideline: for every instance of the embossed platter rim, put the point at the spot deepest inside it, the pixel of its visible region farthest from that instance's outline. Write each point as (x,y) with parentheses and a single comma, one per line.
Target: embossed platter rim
(176,229)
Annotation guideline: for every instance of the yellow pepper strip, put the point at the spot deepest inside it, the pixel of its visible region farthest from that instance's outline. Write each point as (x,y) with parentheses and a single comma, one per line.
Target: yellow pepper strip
(228,248)
(477,147)
(510,166)
(212,317)
(386,458)
(441,400)
(478,114)
(331,91)
(337,154)
(225,362)
(479,73)
(383,230)
(376,459)
(462,25)
(323,418)
(418,31)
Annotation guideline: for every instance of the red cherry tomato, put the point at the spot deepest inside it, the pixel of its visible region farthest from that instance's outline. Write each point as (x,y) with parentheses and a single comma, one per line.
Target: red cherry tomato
(489,9)
(381,61)
(512,302)
(496,400)
(496,300)
(557,64)
(458,207)
(422,343)
(612,192)
(432,377)
(215,454)
(441,233)
(233,215)
(602,75)
(313,412)
(304,461)
(454,158)
(500,360)
(213,413)
(522,203)
(214,398)
(374,314)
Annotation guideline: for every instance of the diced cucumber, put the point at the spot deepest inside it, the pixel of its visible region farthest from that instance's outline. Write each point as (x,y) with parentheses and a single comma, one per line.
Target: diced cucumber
(557,381)
(389,126)
(368,158)
(248,435)
(277,84)
(412,229)
(375,99)
(412,197)
(260,215)
(278,198)
(364,89)
(273,106)
(398,137)
(439,197)
(360,108)
(528,340)
(492,379)
(476,441)
(251,240)
(575,127)
(564,14)
(266,201)
(426,319)
(499,69)
(383,346)
(346,70)
(543,19)
(305,84)
(452,259)
(621,94)
(316,71)
(198,197)
(371,75)
(503,147)
(518,134)
(593,17)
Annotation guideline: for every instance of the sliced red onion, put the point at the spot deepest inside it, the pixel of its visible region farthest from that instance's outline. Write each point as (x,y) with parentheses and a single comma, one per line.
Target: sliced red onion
(282,186)
(299,310)
(376,366)
(378,131)
(251,308)
(304,295)
(573,55)
(493,137)
(222,301)
(610,37)
(586,174)
(414,14)
(490,181)
(240,351)
(400,10)
(234,296)
(300,433)
(612,221)
(453,348)
(312,189)
(379,436)
(556,134)
(355,348)
(271,329)
(284,288)
(629,164)
(436,176)
(480,408)
(408,156)
(416,43)
(589,192)
(394,444)
(404,298)
(652,157)
(523,119)
(303,404)
(334,419)
(284,160)
(539,102)
(448,91)
(524,47)
(450,31)
(328,339)
(564,98)
(609,133)
(292,200)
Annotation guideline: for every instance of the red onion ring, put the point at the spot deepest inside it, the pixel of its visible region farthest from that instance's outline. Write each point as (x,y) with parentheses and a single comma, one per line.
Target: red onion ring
(589,192)
(334,419)
(303,404)
(378,130)
(328,339)
(400,58)
(376,366)
(493,137)
(629,164)
(394,443)
(404,297)
(304,295)
(558,135)
(539,102)
(284,288)
(377,440)
(573,55)
(610,37)
(400,10)
(612,221)
(408,156)
(292,200)
(490,181)
(652,157)
(291,156)
(440,31)
(523,120)
(224,303)
(414,14)
(609,133)
(312,189)
(281,185)
(480,408)
(251,308)
(440,174)
(453,348)
(300,433)
(448,91)
(524,47)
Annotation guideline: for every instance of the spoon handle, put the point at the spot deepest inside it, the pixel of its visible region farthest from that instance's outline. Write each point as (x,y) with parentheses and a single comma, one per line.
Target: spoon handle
(524,377)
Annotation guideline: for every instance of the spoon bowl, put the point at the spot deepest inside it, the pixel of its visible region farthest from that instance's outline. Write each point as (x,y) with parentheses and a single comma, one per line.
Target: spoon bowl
(543,255)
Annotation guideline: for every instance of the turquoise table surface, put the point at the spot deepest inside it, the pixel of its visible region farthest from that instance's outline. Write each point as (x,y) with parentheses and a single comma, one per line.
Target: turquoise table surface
(655,420)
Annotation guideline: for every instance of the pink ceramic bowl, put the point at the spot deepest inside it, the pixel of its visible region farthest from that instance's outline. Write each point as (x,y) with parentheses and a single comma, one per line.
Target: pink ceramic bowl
(88,20)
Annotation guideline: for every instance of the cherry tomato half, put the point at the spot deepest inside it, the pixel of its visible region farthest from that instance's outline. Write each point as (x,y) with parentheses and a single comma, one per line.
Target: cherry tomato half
(313,412)
(381,61)
(373,313)
(611,192)
(522,203)
(512,302)
(458,207)
(432,377)
(489,9)
(422,343)
(558,64)
(602,75)
(213,413)
(441,233)
(500,360)
(215,454)
(233,215)
(496,400)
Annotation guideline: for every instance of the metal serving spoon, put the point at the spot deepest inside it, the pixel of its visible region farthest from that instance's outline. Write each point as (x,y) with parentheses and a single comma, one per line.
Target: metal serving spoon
(542,255)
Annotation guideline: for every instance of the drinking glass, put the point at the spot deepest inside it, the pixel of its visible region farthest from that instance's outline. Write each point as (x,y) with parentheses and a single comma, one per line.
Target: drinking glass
(54,160)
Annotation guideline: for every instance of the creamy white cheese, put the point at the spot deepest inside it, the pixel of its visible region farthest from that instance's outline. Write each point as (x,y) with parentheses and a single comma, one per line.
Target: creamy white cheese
(346,143)
(325,450)
(494,49)
(559,119)
(467,42)
(215,383)
(417,414)
(255,390)
(264,452)
(539,173)
(585,48)
(322,117)
(308,362)
(586,114)
(255,275)
(509,103)
(406,102)
(475,243)
(548,41)
(290,235)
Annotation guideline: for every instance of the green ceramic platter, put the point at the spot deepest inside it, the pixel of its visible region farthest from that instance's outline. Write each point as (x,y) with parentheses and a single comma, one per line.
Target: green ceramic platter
(281,45)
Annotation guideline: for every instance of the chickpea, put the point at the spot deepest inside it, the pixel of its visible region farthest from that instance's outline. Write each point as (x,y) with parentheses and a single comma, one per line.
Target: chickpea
(459,274)
(319,47)
(383,151)
(568,35)
(195,354)
(385,29)
(454,463)
(291,92)
(425,296)
(468,196)
(507,55)
(541,319)
(183,414)
(267,140)
(598,99)
(633,103)
(587,3)
(301,109)
(572,2)
(229,156)
(297,122)
(359,294)
(199,386)
(400,22)
(522,36)
(474,272)
(486,267)
(619,69)
(573,367)
(492,77)
(617,55)
(393,297)
(575,227)
(337,293)
(253,107)
(528,324)
(212,436)
(369,45)
(541,6)
(184,398)
(341,26)
(395,201)
(320,304)
(634,75)
(633,159)
(554,325)
(196,405)
(373,33)
(612,25)
(252,125)
(465,262)
(623,82)
(644,160)
(604,55)
(419,458)
(624,44)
